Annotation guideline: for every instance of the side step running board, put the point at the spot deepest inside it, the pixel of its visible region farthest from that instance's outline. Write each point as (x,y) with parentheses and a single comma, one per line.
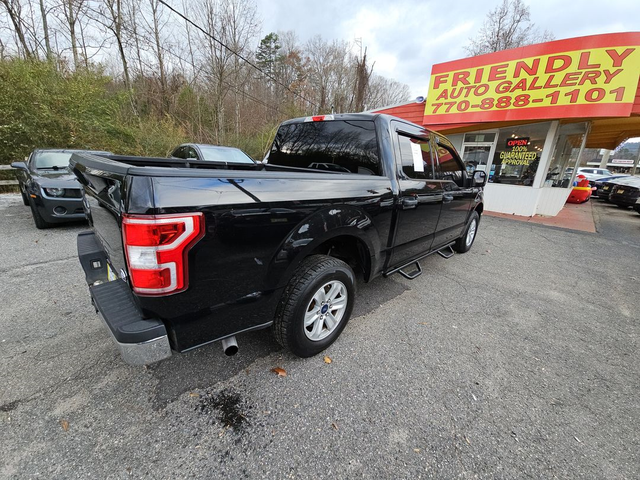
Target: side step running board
(450,253)
(411,275)
(418,271)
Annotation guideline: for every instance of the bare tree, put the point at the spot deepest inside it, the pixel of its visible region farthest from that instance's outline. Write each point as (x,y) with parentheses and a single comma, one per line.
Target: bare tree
(507,26)
(45,30)
(111,15)
(133,14)
(71,10)
(384,91)
(343,76)
(291,67)
(14,11)
(242,22)
(319,54)
(363,74)
(233,25)
(155,29)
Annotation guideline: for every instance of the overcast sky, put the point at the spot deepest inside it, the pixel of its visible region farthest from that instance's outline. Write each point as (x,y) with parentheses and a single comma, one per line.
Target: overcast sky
(405,38)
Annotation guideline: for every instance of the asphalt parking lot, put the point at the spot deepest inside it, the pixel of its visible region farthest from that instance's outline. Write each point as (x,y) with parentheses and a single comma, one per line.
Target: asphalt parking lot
(518,359)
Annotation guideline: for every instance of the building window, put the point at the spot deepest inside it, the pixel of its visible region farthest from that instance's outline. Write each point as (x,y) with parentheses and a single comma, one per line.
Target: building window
(479,137)
(565,155)
(517,154)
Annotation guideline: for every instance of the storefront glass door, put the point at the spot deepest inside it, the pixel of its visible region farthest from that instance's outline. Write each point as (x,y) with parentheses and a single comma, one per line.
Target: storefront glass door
(477,151)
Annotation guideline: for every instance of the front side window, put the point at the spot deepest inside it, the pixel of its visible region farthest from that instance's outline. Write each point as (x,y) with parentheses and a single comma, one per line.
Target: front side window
(450,166)
(191,153)
(346,146)
(416,157)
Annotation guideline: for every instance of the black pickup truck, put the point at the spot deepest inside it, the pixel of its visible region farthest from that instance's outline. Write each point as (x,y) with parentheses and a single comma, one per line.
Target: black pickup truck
(185,252)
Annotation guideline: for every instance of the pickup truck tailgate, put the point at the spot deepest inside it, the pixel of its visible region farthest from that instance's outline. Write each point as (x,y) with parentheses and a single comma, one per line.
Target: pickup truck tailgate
(105,202)
(140,340)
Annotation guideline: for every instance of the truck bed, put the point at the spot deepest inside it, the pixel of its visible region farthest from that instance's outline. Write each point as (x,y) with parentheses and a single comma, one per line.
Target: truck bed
(131,165)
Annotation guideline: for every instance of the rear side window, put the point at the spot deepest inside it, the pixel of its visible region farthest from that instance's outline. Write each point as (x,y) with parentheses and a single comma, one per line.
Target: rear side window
(180,152)
(347,146)
(416,158)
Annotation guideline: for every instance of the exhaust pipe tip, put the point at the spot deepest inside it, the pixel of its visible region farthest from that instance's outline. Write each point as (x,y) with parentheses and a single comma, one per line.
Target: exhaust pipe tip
(230,346)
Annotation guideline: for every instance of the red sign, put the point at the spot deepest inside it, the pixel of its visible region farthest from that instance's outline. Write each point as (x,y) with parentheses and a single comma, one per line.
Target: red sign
(517,142)
(594,76)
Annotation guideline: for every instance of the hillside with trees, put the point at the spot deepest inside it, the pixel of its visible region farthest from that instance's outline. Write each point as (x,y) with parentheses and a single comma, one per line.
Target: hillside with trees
(138,77)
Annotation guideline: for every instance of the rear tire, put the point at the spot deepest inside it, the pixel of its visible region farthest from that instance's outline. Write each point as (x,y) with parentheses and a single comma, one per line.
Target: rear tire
(464,243)
(315,305)
(40,222)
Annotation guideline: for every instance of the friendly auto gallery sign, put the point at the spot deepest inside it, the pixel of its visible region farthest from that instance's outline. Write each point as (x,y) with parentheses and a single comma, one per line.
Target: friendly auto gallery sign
(594,76)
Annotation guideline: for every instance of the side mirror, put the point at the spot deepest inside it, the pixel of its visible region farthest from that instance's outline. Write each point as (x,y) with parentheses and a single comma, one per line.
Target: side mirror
(479,178)
(19,165)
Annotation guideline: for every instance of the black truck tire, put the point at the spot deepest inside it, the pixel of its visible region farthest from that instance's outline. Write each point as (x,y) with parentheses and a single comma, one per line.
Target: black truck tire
(40,222)
(313,294)
(464,243)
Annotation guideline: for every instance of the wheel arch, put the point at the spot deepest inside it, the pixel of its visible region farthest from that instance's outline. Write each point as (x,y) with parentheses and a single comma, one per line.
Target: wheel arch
(343,232)
(349,248)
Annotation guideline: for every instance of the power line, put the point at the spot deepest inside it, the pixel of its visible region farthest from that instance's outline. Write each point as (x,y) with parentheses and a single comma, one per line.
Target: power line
(233,87)
(228,84)
(249,62)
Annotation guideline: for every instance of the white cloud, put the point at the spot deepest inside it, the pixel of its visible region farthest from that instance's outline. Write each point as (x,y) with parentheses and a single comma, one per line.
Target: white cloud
(406,37)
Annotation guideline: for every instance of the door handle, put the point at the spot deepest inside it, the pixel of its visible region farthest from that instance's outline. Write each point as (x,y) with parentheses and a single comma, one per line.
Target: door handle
(409,202)
(447,198)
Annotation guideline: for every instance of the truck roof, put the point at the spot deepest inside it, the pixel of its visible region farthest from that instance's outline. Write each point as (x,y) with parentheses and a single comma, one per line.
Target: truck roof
(354,116)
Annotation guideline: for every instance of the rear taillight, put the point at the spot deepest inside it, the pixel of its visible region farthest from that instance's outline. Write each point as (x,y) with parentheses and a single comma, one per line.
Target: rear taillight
(156,248)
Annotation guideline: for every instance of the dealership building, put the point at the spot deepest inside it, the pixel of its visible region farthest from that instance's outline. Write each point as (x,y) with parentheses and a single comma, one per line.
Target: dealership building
(525,115)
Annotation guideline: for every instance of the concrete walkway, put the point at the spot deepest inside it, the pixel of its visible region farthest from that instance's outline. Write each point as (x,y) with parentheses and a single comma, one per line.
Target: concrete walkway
(572,217)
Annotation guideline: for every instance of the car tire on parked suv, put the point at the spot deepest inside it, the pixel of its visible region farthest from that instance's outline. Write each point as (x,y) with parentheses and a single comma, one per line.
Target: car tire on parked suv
(315,305)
